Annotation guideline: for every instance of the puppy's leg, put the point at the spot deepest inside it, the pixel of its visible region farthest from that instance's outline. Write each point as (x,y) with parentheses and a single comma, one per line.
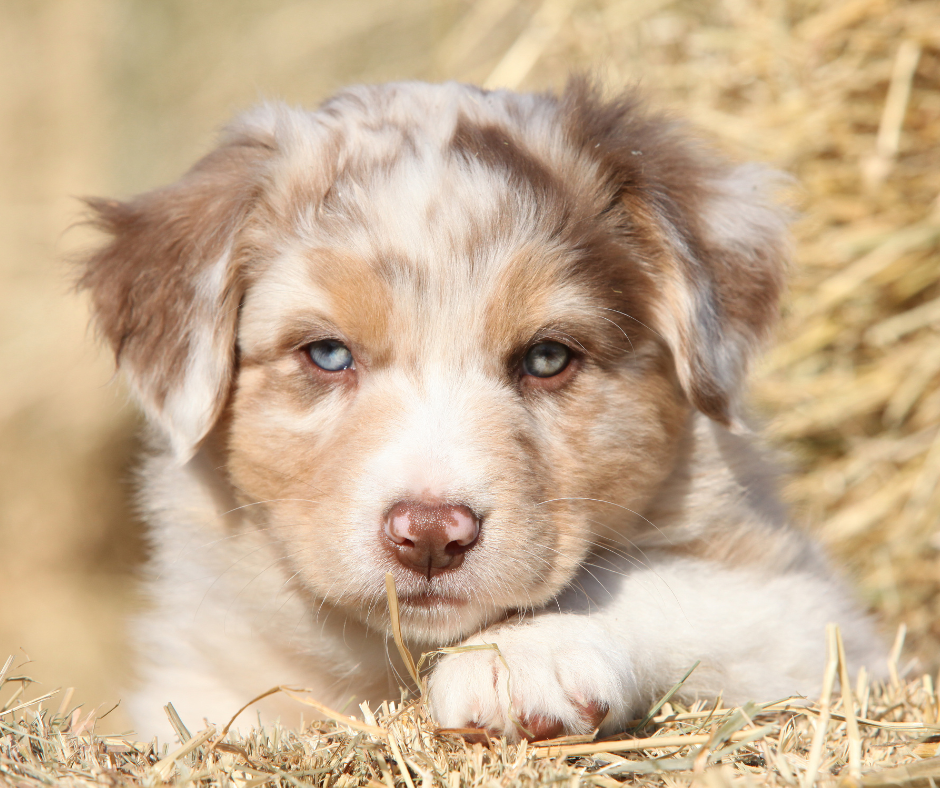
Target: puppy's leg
(756,635)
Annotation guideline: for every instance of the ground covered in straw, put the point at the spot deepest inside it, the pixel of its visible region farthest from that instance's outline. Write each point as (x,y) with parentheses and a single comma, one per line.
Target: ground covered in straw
(858,733)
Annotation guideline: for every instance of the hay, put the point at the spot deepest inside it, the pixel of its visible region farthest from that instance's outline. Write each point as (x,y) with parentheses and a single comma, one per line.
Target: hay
(844,94)
(863,735)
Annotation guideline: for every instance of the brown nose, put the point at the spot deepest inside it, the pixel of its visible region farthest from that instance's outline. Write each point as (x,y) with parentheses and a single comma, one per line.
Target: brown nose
(431,538)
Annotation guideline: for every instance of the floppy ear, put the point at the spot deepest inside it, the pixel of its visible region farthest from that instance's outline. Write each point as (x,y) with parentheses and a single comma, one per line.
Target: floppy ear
(708,235)
(165,291)
(729,250)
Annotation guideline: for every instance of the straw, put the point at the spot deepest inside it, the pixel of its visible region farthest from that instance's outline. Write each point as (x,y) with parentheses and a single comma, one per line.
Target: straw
(843,95)
(759,744)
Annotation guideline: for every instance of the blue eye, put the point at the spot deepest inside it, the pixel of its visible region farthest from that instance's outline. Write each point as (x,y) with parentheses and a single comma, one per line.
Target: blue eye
(546,359)
(331,355)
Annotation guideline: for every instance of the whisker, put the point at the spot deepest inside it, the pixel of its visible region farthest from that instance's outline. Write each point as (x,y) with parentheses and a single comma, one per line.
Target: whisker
(248,532)
(625,336)
(222,574)
(270,500)
(611,503)
(631,317)
(258,574)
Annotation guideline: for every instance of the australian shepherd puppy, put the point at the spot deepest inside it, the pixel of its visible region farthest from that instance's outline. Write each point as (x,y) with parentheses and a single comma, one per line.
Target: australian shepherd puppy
(493,344)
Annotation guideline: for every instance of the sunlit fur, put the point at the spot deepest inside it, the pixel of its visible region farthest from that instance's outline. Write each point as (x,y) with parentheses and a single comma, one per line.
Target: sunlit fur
(629,524)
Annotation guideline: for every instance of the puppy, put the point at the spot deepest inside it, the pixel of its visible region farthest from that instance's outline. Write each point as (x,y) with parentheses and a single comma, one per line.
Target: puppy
(491,343)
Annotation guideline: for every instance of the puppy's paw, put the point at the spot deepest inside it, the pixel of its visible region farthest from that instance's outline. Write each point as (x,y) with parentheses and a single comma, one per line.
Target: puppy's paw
(555,676)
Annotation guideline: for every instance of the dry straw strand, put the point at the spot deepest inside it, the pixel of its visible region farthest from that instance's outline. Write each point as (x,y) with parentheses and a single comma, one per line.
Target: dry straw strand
(395,620)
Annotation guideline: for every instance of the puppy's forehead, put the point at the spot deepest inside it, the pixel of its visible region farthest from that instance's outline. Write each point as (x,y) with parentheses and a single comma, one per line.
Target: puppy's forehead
(448,233)
(492,294)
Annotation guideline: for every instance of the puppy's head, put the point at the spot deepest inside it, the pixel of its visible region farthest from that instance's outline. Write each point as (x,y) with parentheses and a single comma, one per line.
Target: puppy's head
(451,334)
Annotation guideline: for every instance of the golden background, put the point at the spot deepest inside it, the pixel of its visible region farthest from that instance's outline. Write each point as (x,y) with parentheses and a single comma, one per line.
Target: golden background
(112,98)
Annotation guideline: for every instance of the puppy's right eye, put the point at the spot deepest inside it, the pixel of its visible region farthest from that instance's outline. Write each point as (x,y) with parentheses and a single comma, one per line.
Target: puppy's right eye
(331,355)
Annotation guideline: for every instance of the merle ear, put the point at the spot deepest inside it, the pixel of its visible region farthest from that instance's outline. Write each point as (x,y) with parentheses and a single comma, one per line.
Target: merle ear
(730,252)
(165,290)
(708,234)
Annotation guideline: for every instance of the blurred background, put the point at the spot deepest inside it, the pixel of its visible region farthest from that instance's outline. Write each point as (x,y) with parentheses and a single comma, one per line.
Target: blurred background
(112,97)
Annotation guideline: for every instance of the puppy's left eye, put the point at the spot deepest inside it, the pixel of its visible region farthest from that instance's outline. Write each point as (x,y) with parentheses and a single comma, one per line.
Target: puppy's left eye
(546,359)
(331,355)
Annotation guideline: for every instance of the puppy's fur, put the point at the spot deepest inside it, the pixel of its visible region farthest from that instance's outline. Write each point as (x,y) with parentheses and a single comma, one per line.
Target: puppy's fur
(627,523)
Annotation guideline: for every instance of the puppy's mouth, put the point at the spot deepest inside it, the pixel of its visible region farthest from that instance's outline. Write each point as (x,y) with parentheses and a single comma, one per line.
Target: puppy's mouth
(431,599)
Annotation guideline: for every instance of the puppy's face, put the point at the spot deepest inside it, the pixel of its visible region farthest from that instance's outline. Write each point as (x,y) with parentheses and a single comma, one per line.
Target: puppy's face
(470,330)
(434,341)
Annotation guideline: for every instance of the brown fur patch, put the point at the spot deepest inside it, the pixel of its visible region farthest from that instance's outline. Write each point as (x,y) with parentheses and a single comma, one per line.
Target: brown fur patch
(496,148)
(144,283)
(661,181)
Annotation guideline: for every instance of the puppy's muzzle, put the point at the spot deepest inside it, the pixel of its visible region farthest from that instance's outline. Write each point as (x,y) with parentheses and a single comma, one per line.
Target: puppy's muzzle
(431,538)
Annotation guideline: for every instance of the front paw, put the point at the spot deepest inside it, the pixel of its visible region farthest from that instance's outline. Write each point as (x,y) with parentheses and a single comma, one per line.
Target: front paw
(554,676)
